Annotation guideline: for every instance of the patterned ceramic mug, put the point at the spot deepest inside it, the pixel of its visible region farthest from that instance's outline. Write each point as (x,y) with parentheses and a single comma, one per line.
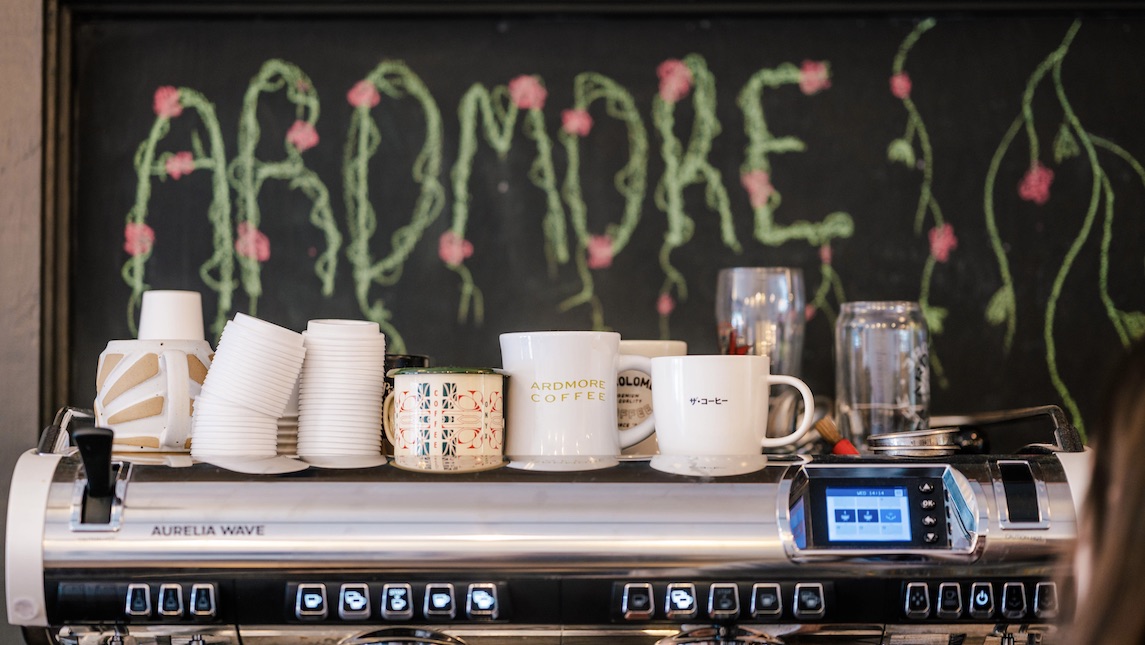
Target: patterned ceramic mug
(447,419)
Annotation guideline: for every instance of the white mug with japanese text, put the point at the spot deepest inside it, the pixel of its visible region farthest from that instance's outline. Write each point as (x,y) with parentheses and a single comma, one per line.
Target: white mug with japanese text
(634,389)
(562,399)
(711,413)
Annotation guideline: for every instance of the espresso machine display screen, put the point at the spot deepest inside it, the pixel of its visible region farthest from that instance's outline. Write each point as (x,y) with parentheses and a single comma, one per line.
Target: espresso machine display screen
(868,514)
(869,510)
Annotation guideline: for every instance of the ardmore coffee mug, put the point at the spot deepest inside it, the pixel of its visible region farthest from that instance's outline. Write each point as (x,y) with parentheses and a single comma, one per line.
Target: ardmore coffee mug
(562,399)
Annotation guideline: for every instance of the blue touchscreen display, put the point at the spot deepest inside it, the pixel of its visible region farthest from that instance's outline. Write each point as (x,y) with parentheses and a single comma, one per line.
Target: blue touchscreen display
(866,514)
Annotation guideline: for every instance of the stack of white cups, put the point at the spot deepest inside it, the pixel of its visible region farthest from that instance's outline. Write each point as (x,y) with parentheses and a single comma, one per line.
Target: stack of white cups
(246,390)
(340,393)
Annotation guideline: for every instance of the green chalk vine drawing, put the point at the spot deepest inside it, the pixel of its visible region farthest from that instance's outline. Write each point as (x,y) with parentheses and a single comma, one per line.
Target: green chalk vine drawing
(941,236)
(248,173)
(812,77)
(395,80)
(597,251)
(498,111)
(139,238)
(1072,140)
(685,168)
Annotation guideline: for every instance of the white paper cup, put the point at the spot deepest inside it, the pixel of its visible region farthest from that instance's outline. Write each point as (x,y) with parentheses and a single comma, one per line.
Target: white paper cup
(171,315)
(337,328)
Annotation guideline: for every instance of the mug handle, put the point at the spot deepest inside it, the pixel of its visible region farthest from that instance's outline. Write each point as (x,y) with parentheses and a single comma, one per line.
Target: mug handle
(178,427)
(389,413)
(644,429)
(808,411)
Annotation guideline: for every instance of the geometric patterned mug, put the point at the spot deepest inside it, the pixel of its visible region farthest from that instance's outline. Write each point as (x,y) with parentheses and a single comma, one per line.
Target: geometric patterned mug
(447,419)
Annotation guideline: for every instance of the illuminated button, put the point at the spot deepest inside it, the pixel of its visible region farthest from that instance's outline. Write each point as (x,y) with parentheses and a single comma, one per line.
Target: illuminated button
(1046,600)
(138,600)
(723,600)
(949,600)
(926,487)
(310,602)
(171,600)
(439,601)
(809,602)
(1013,600)
(981,600)
(927,504)
(766,601)
(636,601)
(680,601)
(397,601)
(929,520)
(930,537)
(917,603)
(354,601)
(481,601)
(202,599)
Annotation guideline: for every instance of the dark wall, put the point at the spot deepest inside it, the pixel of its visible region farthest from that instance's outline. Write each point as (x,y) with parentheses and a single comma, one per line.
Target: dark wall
(1071,254)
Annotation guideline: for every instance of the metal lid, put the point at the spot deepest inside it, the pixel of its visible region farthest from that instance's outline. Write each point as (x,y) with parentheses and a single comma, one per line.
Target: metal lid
(442,370)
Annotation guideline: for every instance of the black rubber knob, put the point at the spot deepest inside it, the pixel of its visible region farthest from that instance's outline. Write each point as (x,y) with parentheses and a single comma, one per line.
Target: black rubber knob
(95,450)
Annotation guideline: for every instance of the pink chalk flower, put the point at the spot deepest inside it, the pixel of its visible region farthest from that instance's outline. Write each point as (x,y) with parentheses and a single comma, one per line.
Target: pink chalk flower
(252,243)
(599,252)
(167,103)
(665,304)
(900,85)
(138,238)
(1035,186)
(179,164)
(302,135)
(576,122)
(825,254)
(453,249)
(942,242)
(527,92)
(363,94)
(675,80)
(813,77)
(809,312)
(757,183)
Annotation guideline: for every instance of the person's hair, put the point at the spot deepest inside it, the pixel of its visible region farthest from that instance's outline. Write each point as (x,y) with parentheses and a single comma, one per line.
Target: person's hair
(1111,537)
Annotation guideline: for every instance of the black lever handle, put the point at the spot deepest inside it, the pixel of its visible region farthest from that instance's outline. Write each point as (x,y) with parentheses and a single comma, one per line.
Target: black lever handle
(95,450)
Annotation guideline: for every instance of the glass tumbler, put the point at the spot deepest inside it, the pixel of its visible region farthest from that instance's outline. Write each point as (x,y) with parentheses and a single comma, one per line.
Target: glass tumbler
(760,310)
(882,369)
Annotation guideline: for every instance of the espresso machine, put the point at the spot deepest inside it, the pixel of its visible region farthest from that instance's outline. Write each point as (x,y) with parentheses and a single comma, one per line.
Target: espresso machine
(107,549)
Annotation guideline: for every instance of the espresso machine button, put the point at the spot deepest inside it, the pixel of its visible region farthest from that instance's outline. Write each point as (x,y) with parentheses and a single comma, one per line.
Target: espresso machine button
(949,600)
(310,602)
(723,600)
(171,600)
(439,601)
(1013,600)
(981,600)
(203,599)
(397,601)
(138,600)
(1046,600)
(766,601)
(680,601)
(809,601)
(481,601)
(354,601)
(636,601)
(917,600)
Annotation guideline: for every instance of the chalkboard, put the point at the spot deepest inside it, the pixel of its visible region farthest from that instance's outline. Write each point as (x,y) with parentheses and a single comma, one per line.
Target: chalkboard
(458,174)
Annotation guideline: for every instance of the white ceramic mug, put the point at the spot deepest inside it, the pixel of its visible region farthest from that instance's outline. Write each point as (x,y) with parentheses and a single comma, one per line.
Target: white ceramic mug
(145,392)
(711,413)
(447,419)
(634,389)
(562,399)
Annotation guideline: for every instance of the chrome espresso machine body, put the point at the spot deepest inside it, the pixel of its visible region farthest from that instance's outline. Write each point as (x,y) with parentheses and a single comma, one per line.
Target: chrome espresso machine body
(807,550)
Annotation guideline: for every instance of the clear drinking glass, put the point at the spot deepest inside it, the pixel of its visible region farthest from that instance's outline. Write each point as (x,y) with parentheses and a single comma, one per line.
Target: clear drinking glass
(882,369)
(760,310)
